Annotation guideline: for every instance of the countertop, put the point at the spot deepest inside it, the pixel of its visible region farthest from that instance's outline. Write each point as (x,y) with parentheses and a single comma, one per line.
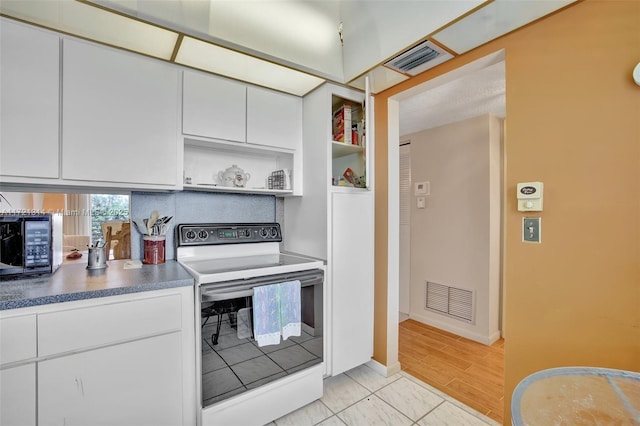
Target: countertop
(72,281)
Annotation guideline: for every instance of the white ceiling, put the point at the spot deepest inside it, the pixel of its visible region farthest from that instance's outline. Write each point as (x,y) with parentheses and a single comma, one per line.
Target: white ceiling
(479,93)
(337,40)
(470,91)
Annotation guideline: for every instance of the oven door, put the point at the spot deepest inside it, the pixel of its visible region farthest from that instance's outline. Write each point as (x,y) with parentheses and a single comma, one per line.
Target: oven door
(232,361)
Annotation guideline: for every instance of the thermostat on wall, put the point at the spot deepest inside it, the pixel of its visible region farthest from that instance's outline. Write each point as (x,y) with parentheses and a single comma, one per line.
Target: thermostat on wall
(422,188)
(530,196)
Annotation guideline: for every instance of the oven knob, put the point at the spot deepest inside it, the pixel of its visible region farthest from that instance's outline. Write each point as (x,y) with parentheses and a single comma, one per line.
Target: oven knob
(203,234)
(190,235)
(274,232)
(264,233)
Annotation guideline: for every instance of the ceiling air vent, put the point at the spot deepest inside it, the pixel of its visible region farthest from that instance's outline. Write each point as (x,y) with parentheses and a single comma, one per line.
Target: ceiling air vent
(419,58)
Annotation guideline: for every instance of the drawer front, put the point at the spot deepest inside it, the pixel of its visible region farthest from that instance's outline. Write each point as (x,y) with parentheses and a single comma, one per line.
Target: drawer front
(17,338)
(90,327)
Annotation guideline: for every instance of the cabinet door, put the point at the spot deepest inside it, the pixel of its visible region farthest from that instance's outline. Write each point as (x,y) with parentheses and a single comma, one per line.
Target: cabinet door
(120,117)
(29,101)
(18,396)
(273,118)
(213,107)
(351,280)
(135,383)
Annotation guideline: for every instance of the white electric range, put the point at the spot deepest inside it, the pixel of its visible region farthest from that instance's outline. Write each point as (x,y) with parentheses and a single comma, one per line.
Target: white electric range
(239,381)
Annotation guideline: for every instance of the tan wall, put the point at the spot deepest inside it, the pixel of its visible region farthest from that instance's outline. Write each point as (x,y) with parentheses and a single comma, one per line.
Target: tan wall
(574,123)
(452,239)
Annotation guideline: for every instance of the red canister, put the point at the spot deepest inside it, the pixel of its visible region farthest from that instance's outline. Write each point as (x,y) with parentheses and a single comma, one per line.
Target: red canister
(154,249)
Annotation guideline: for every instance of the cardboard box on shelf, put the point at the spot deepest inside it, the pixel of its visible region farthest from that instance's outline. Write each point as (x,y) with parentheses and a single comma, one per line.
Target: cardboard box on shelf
(342,124)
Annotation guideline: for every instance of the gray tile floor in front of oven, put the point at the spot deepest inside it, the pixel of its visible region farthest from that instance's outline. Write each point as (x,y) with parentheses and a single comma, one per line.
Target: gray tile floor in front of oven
(235,365)
(362,397)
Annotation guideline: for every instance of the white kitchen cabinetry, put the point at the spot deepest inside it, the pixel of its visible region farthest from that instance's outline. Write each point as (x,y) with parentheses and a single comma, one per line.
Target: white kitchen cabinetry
(18,370)
(273,118)
(135,383)
(352,280)
(120,360)
(228,123)
(29,102)
(18,395)
(213,107)
(120,118)
(336,223)
(204,159)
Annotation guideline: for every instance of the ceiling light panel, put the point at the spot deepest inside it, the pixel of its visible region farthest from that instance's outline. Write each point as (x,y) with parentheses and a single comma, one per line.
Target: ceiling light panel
(205,56)
(95,24)
(299,34)
(493,21)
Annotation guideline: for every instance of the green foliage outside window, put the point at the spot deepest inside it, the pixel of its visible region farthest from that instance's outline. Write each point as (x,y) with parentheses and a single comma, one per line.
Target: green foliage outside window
(107,207)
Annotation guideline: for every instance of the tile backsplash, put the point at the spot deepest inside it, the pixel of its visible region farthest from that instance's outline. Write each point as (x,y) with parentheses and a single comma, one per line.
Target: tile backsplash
(200,207)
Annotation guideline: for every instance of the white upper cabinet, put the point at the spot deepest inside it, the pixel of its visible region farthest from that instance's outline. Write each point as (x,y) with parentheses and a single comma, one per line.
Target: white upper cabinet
(120,118)
(213,107)
(29,101)
(273,118)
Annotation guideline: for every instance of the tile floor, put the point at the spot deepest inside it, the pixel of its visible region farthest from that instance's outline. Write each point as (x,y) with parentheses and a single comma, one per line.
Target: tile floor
(363,397)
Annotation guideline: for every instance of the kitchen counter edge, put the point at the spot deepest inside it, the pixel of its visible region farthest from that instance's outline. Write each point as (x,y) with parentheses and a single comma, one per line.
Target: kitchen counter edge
(74,282)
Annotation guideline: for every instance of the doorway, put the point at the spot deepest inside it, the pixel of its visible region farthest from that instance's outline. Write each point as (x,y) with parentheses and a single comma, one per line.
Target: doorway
(421,339)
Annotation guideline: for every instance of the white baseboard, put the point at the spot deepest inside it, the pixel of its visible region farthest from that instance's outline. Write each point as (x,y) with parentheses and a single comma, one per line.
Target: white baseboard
(384,370)
(447,326)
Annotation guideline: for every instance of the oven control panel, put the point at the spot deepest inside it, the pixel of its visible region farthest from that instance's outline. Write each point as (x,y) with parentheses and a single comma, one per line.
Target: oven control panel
(193,234)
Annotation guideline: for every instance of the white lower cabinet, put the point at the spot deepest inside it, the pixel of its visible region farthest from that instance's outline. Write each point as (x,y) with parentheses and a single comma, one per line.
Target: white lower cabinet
(18,395)
(352,280)
(121,360)
(136,383)
(18,370)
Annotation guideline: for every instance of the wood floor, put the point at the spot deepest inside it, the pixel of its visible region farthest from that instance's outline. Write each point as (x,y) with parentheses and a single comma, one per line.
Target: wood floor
(471,372)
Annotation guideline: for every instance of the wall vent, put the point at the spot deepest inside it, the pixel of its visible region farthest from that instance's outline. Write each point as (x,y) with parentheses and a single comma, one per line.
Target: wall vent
(414,60)
(451,301)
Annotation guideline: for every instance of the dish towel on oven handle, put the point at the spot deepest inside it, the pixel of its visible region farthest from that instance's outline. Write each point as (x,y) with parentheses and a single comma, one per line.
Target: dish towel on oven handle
(276,312)
(266,314)
(290,309)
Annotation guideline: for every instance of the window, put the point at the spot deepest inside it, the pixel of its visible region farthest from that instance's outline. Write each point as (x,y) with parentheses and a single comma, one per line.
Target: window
(107,207)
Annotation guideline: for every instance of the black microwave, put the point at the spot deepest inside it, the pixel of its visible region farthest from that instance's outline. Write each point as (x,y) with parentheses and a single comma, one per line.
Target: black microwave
(30,244)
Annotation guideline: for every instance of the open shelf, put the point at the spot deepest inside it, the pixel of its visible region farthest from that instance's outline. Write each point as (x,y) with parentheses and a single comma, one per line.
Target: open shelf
(217,188)
(340,149)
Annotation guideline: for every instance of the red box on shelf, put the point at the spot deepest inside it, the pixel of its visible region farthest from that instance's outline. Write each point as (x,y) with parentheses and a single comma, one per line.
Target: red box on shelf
(342,124)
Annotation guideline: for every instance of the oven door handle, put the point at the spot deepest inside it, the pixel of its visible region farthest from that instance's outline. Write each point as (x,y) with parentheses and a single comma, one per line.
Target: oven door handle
(214,297)
(244,288)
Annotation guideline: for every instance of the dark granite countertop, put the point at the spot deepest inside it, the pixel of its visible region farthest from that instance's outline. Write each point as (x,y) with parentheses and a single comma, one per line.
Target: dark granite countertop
(74,282)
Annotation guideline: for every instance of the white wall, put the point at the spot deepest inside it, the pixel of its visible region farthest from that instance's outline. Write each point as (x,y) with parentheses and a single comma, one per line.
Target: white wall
(455,240)
(16,201)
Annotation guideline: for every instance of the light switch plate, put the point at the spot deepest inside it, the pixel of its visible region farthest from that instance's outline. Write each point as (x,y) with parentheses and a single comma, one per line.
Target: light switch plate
(531,230)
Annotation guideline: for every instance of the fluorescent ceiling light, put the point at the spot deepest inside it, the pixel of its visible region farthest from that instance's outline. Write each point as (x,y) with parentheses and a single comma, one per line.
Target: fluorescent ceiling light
(494,20)
(95,24)
(205,56)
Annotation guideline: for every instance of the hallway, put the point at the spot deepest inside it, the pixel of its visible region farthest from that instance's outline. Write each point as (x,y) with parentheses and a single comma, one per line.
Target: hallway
(468,371)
